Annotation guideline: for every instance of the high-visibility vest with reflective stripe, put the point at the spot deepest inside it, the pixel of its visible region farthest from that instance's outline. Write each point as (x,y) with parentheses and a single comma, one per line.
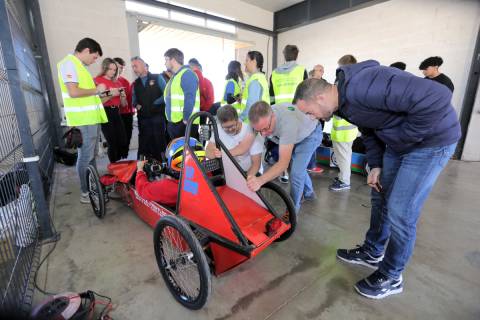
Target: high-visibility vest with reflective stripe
(260,77)
(174,93)
(84,110)
(342,130)
(285,83)
(237,91)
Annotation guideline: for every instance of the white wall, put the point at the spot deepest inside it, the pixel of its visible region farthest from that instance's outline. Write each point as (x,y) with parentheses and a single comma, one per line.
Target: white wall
(396,30)
(65,22)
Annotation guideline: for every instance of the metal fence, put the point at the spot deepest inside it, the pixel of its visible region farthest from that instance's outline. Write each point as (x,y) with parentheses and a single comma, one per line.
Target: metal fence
(26,157)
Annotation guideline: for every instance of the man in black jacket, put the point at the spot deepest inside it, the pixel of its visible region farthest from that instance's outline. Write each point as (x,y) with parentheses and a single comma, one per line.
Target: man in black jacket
(147,97)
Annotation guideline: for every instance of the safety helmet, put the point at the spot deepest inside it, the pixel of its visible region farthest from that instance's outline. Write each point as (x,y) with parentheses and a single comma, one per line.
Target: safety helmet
(175,152)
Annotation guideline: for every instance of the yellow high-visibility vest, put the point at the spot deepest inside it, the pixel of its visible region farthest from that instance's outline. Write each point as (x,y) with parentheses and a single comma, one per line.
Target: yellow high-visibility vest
(237,91)
(262,80)
(285,84)
(174,93)
(342,130)
(84,110)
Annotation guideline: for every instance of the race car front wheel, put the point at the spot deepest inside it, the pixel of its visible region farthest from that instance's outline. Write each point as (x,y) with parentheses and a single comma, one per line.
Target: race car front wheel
(95,191)
(182,262)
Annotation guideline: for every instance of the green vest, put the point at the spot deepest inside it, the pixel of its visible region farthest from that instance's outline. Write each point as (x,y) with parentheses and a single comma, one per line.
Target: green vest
(342,130)
(260,77)
(236,92)
(285,83)
(85,110)
(174,93)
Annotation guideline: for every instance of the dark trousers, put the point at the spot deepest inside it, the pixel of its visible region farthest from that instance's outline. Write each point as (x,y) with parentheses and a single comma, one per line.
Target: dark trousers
(128,125)
(152,139)
(176,130)
(114,132)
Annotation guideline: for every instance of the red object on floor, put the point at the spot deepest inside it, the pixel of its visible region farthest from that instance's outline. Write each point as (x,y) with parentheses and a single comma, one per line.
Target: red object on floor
(316,170)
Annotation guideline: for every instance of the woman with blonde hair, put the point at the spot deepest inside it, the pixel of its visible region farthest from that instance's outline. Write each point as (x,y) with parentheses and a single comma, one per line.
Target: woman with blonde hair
(113,98)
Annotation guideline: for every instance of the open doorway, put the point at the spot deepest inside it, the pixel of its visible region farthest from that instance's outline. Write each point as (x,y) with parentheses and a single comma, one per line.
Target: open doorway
(213,52)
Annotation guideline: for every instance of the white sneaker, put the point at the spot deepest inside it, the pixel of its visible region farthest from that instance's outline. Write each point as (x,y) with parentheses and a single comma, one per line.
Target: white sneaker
(284,178)
(84,198)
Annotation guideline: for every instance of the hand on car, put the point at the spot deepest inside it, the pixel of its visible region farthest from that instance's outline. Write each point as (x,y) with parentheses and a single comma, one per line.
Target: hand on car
(254,183)
(140,165)
(217,153)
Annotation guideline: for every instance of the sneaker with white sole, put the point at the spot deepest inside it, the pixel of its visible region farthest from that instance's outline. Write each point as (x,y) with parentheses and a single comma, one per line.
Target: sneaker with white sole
(84,198)
(284,177)
(338,185)
(359,255)
(378,286)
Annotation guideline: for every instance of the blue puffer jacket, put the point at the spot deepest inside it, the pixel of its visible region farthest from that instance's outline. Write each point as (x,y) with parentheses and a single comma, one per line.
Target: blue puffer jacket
(396,109)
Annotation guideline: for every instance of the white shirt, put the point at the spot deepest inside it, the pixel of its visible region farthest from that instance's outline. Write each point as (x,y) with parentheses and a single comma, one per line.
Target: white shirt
(230,142)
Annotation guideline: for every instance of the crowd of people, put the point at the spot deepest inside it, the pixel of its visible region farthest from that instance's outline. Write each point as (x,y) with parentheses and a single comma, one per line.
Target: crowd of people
(407,124)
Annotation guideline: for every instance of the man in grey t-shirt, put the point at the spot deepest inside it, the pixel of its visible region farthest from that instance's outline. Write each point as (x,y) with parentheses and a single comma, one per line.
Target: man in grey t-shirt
(298,137)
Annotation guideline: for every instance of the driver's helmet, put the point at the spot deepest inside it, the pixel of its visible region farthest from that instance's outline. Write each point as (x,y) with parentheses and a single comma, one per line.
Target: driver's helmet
(175,152)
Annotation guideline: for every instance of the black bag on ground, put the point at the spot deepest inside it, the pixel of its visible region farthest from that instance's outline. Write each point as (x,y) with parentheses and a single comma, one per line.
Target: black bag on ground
(73,138)
(68,158)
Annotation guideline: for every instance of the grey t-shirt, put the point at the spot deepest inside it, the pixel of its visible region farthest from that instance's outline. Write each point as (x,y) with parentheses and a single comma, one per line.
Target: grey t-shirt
(292,126)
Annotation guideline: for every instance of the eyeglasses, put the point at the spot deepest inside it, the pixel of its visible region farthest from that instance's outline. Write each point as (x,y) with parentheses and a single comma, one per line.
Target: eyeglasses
(267,128)
(230,128)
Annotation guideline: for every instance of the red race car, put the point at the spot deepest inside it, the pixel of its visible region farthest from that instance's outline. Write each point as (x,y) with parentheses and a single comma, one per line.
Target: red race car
(217,224)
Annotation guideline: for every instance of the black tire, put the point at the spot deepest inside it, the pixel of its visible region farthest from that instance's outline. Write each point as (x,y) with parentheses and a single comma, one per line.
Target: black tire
(95,192)
(175,244)
(281,202)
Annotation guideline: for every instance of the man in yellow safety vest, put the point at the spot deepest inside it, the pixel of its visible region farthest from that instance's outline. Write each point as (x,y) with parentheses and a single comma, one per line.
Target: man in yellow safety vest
(82,105)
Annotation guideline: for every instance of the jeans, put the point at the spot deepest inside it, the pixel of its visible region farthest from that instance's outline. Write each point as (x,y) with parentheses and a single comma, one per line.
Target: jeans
(313,161)
(301,184)
(87,152)
(407,180)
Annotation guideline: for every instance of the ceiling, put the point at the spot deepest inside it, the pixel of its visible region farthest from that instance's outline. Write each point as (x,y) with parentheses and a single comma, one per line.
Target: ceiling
(272,5)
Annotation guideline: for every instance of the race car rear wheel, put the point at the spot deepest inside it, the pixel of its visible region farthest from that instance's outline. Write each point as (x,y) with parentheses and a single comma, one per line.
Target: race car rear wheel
(182,262)
(95,192)
(281,202)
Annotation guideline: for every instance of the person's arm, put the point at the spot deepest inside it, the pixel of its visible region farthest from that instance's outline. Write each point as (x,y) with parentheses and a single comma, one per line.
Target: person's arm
(374,148)
(272,93)
(189,85)
(285,155)
(256,163)
(161,84)
(229,93)
(209,97)
(254,95)
(211,150)
(243,146)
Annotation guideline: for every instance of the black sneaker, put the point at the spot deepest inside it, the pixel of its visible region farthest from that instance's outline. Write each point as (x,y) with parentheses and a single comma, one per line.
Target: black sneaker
(360,256)
(378,286)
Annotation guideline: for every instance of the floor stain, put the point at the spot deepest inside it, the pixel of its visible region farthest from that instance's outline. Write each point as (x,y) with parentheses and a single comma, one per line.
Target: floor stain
(243,303)
(335,288)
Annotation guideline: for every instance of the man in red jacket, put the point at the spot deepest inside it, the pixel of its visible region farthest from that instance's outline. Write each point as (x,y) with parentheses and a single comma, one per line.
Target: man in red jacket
(205,85)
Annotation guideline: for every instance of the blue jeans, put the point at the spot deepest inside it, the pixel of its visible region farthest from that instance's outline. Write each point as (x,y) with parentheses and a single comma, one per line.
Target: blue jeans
(87,152)
(301,184)
(313,161)
(407,181)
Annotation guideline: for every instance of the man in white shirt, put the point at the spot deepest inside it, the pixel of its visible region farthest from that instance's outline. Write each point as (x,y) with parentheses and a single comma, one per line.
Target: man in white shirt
(239,139)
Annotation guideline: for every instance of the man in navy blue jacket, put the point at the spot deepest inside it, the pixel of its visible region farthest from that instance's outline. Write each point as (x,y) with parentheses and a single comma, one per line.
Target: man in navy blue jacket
(410,131)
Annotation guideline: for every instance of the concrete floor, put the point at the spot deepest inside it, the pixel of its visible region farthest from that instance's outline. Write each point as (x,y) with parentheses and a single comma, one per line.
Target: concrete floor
(297,279)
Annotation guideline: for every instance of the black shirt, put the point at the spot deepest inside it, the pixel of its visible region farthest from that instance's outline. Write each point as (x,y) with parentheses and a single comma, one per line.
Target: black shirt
(443,79)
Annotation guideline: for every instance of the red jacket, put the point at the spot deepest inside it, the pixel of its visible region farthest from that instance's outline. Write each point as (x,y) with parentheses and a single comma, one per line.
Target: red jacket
(206,91)
(163,191)
(129,109)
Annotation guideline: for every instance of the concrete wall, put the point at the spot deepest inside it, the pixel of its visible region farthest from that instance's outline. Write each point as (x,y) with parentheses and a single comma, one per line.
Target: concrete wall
(67,21)
(396,30)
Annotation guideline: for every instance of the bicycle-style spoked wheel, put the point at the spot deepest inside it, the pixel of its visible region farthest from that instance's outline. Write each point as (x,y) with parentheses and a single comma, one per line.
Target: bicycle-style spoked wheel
(182,262)
(282,204)
(95,191)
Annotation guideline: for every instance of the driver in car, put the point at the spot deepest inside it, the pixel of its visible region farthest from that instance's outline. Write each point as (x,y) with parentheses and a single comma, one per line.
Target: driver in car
(165,190)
